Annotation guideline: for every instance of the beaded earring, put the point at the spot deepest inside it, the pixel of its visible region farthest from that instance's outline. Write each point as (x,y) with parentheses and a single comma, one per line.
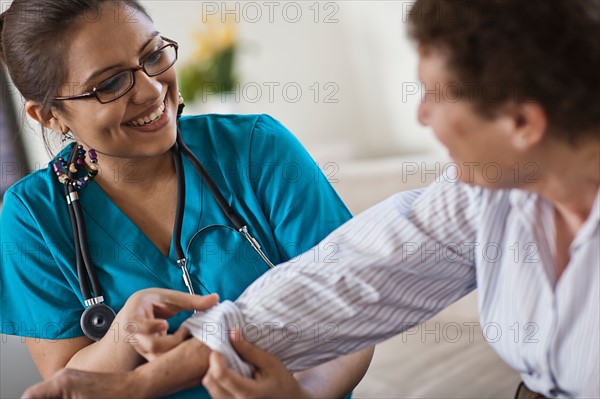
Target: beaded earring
(64,170)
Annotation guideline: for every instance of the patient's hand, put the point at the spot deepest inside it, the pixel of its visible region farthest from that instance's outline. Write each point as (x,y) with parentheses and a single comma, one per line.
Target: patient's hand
(271,379)
(178,369)
(69,383)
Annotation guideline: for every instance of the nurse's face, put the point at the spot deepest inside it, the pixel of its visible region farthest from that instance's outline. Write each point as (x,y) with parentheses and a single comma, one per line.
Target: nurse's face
(483,149)
(96,51)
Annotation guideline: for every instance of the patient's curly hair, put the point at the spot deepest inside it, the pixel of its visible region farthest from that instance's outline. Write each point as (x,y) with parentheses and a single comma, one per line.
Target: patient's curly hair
(545,51)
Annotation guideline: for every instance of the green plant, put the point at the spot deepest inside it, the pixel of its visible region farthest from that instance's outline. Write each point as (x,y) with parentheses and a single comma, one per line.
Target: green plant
(211,68)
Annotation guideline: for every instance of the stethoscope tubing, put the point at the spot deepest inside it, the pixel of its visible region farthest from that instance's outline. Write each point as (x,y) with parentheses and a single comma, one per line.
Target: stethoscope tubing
(233,217)
(227,210)
(85,251)
(241,227)
(85,266)
(178,225)
(81,272)
(86,272)
(98,316)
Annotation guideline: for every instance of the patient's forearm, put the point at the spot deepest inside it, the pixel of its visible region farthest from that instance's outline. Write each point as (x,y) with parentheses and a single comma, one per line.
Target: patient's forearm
(181,368)
(336,378)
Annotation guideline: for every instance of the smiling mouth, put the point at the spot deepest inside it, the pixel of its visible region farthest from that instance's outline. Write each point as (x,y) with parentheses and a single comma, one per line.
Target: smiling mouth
(148,119)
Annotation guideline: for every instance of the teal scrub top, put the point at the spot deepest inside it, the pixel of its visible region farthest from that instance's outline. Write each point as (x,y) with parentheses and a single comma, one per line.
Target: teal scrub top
(263,172)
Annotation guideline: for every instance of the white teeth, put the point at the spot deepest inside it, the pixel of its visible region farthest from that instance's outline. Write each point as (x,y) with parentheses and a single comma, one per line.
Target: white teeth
(149,118)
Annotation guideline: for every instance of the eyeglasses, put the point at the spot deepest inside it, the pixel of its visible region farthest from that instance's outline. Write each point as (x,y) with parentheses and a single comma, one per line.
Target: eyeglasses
(120,84)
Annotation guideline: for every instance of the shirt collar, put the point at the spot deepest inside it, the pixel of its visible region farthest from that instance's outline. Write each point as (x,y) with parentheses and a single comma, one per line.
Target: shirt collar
(591,224)
(519,198)
(525,202)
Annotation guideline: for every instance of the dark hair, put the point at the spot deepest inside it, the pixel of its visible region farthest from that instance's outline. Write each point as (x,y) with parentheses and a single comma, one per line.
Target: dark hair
(33,38)
(546,51)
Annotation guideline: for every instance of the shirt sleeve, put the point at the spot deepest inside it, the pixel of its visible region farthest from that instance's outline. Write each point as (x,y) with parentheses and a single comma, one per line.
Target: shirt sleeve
(397,264)
(36,299)
(298,200)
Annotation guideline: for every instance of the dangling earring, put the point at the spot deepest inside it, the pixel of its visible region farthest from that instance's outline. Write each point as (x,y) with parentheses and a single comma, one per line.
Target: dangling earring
(181,106)
(61,165)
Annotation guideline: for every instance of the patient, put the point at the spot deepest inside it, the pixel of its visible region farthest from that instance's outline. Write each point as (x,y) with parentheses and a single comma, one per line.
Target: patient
(526,236)
(99,75)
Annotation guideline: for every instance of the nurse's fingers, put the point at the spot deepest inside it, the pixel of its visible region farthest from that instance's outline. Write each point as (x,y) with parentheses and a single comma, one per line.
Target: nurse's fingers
(150,346)
(167,303)
(148,326)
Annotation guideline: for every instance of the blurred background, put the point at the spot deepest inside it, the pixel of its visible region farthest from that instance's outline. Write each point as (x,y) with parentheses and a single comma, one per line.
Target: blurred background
(342,77)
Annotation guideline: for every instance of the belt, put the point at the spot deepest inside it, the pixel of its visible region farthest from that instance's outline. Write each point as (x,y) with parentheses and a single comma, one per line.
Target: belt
(525,393)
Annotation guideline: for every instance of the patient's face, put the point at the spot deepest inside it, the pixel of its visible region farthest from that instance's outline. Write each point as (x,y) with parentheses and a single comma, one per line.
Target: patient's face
(98,49)
(481,148)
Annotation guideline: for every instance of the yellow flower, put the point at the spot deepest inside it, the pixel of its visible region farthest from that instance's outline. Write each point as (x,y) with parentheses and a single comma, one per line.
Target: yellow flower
(212,59)
(212,37)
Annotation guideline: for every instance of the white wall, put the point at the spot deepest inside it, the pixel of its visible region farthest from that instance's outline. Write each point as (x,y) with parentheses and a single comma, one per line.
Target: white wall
(359,48)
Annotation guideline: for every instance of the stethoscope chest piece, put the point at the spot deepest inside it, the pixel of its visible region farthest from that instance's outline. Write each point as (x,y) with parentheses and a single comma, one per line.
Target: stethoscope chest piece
(96,320)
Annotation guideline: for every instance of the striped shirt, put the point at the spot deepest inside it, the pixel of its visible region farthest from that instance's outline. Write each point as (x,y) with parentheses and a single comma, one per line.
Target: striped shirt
(402,261)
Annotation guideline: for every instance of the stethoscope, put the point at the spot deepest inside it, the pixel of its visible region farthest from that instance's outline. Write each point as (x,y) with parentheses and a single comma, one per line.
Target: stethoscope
(98,317)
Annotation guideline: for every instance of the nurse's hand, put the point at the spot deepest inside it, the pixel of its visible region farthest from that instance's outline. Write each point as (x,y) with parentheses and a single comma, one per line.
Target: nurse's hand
(144,316)
(271,379)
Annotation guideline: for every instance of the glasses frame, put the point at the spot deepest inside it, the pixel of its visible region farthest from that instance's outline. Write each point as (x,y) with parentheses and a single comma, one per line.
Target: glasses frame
(94,92)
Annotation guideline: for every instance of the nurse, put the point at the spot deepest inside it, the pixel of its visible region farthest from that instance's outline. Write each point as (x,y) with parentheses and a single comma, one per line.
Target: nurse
(112,89)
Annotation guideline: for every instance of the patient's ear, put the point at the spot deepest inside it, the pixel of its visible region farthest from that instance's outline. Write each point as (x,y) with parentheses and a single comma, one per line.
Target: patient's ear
(50,120)
(530,123)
